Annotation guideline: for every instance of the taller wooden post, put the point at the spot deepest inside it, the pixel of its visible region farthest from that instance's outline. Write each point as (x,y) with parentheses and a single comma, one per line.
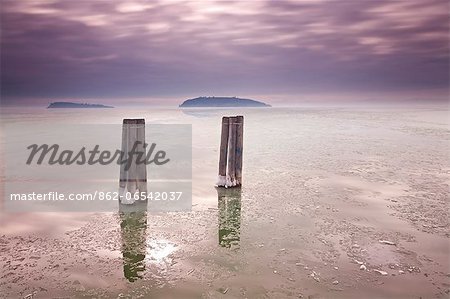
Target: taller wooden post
(230,157)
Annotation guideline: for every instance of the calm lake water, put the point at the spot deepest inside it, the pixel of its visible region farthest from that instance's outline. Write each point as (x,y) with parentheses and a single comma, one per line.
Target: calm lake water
(322,186)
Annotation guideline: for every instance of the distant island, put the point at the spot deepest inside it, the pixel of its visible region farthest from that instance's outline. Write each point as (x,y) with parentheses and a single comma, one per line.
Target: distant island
(222,102)
(76,105)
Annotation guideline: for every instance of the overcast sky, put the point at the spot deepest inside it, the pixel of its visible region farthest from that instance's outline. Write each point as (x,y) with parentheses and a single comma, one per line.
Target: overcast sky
(280,51)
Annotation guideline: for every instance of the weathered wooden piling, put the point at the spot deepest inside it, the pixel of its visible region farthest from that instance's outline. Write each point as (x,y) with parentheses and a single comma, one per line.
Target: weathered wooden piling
(230,157)
(239,148)
(141,169)
(133,175)
(131,140)
(223,152)
(231,161)
(124,149)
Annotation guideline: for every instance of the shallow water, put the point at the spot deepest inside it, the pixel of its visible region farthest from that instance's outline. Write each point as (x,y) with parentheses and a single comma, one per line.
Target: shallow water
(322,186)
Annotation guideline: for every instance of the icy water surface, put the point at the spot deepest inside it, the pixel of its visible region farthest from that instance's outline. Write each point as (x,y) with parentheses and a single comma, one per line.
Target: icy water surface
(322,187)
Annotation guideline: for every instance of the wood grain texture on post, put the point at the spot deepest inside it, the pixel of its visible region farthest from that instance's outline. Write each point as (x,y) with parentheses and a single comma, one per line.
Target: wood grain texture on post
(231,163)
(133,176)
(239,148)
(123,174)
(141,168)
(221,181)
(131,173)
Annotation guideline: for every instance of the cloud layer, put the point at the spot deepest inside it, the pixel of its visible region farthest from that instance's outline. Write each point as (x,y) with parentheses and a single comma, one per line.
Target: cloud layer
(137,49)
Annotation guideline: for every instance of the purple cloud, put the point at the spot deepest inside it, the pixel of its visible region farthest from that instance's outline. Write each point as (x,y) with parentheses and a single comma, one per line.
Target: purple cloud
(138,49)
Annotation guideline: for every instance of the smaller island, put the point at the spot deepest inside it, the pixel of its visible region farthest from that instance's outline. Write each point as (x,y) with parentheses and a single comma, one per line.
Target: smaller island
(76,105)
(222,102)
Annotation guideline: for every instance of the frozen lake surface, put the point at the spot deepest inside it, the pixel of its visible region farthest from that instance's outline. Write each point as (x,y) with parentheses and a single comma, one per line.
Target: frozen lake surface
(335,203)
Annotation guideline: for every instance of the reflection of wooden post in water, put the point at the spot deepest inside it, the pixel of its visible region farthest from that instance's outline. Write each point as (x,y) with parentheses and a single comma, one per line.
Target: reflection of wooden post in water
(229,204)
(231,147)
(135,177)
(133,227)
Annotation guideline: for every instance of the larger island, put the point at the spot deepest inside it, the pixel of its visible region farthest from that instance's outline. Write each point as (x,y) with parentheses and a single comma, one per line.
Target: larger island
(76,105)
(222,102)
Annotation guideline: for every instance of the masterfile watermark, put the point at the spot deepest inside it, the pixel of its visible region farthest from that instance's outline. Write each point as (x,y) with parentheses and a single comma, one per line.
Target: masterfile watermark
(95,156)
(80,167)
(98,195)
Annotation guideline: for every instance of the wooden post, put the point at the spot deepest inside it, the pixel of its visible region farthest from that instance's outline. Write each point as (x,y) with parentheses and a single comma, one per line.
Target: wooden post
(239,148)
(221,181)
(133,137)
(231,162)
(131,173)
(124,149)
(231,146)
(141,168)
